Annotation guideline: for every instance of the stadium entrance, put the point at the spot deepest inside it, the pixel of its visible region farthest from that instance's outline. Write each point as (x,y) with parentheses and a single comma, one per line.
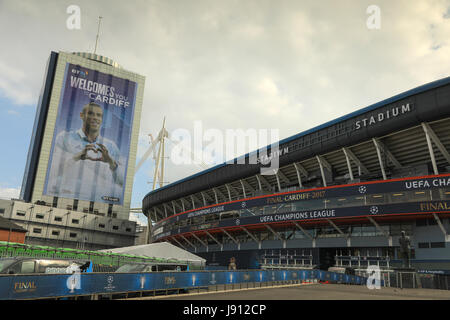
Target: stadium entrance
(326,258)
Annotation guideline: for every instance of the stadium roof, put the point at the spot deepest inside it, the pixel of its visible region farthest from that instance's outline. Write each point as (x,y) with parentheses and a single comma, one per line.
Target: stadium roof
(420,89)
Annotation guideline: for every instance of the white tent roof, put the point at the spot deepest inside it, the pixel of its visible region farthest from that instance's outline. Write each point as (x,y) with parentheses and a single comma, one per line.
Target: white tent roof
(162,250)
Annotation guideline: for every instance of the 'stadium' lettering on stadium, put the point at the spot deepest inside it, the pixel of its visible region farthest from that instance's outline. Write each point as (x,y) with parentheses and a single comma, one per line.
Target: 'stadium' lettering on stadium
(382,116)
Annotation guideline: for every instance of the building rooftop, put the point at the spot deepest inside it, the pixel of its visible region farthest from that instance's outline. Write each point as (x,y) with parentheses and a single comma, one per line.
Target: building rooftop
(6,224)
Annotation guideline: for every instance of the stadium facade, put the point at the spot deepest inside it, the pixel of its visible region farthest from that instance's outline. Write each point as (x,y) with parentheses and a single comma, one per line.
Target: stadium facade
(78,178)
(344,192)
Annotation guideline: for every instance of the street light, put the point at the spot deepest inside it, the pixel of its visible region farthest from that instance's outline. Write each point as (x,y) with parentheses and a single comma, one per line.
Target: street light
(82,232)
(10,226)
(65,228)
(31,214)
(48,223)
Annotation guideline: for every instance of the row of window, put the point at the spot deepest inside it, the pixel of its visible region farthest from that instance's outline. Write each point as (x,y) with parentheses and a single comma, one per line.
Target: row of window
(54,232)
(318,232)
(74,221)
(428,245)
(74,207)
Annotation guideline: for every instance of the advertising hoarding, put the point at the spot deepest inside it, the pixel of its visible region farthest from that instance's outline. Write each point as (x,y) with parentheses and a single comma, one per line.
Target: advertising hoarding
(91,141)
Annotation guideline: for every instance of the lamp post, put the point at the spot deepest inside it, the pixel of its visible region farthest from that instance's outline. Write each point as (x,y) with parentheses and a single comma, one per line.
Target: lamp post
(29,219)
(10,226)
(65,228)
(95,227)
(82,232)
(48,223)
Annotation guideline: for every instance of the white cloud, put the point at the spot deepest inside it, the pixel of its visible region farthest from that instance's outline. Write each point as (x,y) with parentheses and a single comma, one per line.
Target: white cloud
(13,112)
(8,193)
(253,64)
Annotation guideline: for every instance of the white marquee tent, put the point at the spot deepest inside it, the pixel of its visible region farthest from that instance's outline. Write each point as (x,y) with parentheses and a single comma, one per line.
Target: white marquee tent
(162,250)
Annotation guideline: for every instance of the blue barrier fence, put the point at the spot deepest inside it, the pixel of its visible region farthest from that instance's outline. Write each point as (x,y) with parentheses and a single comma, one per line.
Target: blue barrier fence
(65,285)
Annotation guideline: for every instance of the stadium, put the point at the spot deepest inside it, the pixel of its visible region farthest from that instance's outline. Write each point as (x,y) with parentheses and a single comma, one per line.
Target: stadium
(344,192)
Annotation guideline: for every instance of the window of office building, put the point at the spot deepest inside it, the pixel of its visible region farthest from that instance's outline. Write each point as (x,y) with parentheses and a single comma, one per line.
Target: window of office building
(75,221)
(75,204)
(55,202)
(20,213)
(115,227)
(110,207)
(101,225)
(37,230)
(73,235)
(2,211)
(39,216)
(58,219)
(55,233)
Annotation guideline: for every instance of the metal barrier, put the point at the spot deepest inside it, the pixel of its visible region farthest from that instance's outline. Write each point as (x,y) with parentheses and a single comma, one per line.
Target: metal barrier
(413,279)
(50,286)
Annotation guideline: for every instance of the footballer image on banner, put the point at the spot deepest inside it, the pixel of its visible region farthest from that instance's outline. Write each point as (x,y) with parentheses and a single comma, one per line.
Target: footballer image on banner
(91,142)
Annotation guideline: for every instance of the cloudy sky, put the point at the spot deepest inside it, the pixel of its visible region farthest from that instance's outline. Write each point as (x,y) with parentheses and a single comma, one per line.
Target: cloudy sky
(286,65)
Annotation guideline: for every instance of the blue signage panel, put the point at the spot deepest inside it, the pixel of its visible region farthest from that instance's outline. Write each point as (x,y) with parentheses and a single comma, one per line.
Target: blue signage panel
(320,193)
(64,285)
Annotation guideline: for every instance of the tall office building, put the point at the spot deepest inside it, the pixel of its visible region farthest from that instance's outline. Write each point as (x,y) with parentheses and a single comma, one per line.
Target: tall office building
(82,153)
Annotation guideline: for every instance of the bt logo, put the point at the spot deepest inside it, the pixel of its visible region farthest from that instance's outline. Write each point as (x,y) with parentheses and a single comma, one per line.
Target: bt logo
(80,73)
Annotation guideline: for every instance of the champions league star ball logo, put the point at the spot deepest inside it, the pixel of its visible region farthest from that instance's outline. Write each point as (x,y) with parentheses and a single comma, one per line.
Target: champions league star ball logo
(109,281)
(373,209)
(244,204)
(238,222)
(362,189)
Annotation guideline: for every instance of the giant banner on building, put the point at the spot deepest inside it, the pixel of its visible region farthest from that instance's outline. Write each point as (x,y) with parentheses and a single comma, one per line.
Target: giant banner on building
(91,141)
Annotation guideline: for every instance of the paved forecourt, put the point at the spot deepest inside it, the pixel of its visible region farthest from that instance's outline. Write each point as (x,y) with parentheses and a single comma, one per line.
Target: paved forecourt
(314,292)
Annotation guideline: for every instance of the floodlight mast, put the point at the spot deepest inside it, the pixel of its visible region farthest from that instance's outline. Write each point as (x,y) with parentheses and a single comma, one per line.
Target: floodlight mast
(158,154)
(159,173)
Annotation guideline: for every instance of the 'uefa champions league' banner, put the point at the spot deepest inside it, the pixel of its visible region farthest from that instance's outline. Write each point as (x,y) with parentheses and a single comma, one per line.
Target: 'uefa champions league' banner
(405,208)
(91,142)
(14,287)
(360,189)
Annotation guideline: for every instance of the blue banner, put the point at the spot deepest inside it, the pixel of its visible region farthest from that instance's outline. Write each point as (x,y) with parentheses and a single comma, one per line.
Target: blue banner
(63,285)
(91,140)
